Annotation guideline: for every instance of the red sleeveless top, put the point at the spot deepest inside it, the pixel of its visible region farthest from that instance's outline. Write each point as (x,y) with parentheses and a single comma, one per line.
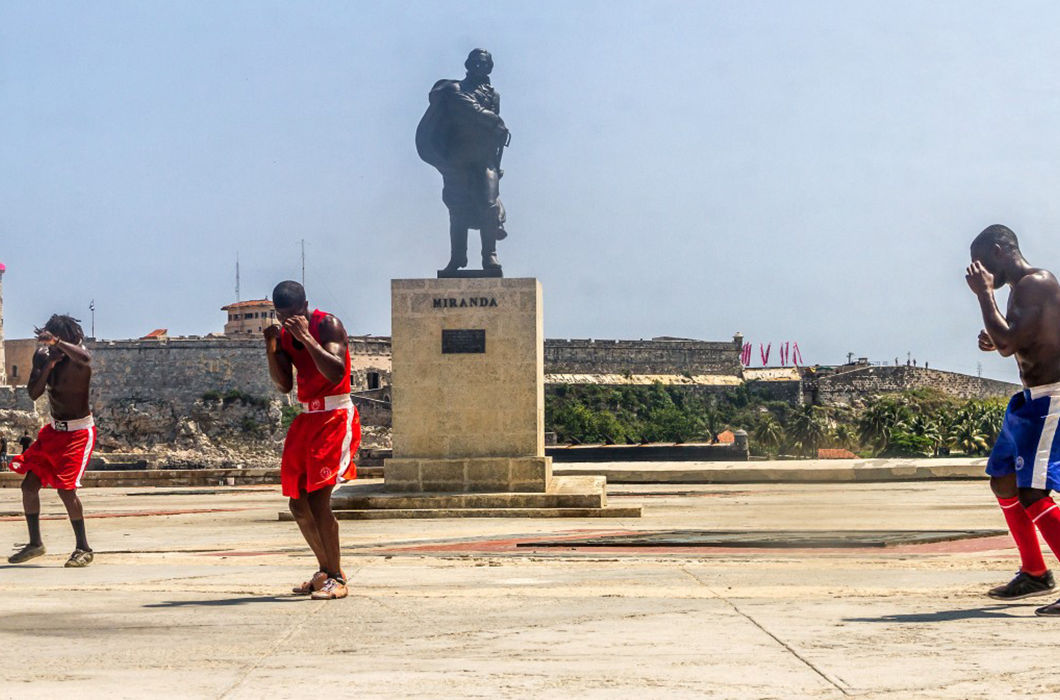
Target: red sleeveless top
(311,383)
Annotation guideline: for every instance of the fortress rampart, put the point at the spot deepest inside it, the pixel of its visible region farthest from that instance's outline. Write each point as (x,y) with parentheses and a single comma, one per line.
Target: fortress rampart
(852,386)
(657,356)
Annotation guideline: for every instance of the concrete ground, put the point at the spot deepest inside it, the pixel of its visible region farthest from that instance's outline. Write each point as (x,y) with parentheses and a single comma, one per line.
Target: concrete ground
(188,598)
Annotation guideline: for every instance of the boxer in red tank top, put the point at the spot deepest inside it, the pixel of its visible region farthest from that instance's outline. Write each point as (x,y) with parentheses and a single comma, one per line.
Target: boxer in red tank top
(321,442)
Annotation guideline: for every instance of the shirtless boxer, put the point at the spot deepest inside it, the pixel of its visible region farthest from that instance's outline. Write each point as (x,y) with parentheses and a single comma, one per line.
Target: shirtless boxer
(59,456)
(1024,465)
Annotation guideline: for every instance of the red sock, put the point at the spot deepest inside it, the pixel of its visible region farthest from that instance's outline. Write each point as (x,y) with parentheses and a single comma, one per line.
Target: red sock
(1022,529)
(1046,517)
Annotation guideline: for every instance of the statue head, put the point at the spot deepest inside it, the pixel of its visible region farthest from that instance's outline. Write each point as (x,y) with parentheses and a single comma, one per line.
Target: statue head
(479,63)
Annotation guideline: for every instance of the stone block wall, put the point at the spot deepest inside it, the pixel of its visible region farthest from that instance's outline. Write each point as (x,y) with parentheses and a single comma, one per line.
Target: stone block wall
(17,414)
(201,396)
(177,370)
(182,370)
(660,356)
(852,387)
(788,391)
(18,359)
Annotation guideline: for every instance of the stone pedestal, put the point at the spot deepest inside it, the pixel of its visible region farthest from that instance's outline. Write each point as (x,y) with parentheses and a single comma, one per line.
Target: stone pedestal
(468,386)
(469,410)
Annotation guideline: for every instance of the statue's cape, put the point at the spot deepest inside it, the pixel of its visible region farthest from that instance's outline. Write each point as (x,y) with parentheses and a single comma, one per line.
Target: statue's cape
(432,133)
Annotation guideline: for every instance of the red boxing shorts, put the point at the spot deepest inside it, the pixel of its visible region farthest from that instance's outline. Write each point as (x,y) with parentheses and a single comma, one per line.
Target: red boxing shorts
(60,454)
(319,448)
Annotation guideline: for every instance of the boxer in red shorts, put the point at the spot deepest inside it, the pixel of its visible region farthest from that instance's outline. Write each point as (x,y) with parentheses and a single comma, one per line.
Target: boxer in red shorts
(321,442)
(60,454)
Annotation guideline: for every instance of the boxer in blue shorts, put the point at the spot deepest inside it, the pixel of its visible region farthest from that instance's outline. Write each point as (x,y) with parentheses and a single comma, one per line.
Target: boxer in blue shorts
(1024,465)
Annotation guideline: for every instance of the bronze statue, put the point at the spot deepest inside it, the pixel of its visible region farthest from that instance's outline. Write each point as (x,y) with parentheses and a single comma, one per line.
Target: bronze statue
(463,136)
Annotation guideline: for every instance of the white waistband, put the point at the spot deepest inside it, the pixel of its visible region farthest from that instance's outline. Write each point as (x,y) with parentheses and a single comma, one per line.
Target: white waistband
(328,403)
(69,425)
(1044,390)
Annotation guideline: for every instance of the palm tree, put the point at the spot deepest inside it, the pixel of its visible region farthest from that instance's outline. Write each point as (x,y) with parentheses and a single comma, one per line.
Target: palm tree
(929,428)
(880,420)
(768,432)
(808,430)
(844,436)
(967,437)
(991,416)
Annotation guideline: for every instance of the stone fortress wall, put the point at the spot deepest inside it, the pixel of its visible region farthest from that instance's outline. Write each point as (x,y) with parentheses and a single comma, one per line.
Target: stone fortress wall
(851,386)
(182,370)
(187,396)
(659,356)
(213,395)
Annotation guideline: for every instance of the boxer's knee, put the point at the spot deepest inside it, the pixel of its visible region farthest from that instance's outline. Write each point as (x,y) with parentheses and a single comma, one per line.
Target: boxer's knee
(31,484)
(1029,497)
(1004,486)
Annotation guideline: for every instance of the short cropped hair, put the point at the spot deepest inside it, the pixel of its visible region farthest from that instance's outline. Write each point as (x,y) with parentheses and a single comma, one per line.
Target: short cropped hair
(65,328)
(288,295)
(997,234)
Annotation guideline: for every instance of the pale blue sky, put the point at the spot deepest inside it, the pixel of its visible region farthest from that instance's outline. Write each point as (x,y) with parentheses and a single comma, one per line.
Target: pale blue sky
(808,171)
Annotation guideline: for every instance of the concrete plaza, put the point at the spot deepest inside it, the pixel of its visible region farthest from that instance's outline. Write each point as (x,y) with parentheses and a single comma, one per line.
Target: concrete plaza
(188,597)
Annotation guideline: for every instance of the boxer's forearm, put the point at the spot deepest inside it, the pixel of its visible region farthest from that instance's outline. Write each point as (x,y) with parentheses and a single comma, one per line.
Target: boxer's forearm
(997,327)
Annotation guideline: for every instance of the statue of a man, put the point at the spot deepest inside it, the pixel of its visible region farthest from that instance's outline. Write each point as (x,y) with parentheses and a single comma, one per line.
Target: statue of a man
(463,136)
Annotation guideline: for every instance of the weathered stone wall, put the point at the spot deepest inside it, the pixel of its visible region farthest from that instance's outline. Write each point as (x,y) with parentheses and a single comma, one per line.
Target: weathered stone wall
(177,371)
(660,356)
(17,414)
(849,388)
(203,401)
(788,391)
(18,356)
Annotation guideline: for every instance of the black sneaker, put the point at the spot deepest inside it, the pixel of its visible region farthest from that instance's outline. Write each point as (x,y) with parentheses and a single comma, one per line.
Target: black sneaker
(30,551)
(1051,610)
(1024,586)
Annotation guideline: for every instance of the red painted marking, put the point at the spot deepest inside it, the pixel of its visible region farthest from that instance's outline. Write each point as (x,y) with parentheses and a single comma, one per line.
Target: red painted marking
(133,513)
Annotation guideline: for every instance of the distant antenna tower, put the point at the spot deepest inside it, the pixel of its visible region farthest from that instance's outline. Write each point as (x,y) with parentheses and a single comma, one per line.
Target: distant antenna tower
(979,368)
(237,276)
(303,262)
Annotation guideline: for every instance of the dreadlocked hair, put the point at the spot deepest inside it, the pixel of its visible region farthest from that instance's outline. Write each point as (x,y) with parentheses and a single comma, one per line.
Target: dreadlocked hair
(65,328)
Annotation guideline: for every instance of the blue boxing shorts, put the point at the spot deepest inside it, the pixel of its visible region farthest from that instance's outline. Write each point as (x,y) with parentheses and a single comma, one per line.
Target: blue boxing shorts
(1026,445)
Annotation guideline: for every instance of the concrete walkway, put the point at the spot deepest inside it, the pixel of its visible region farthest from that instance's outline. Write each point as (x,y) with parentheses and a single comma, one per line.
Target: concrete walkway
(188,598)
(780,471)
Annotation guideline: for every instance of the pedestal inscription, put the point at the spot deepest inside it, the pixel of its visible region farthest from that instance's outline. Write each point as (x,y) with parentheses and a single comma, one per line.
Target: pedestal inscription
(463,340)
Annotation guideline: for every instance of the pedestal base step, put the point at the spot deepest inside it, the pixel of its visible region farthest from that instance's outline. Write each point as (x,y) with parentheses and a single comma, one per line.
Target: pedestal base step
(564,492)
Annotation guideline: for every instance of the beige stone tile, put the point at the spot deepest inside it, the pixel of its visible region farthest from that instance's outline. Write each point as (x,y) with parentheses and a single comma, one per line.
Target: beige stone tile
(452,471)
(536,469)
(489,470)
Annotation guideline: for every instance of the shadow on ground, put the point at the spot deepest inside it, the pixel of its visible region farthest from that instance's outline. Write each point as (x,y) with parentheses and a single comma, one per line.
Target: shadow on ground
(991,611)
(225,602)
